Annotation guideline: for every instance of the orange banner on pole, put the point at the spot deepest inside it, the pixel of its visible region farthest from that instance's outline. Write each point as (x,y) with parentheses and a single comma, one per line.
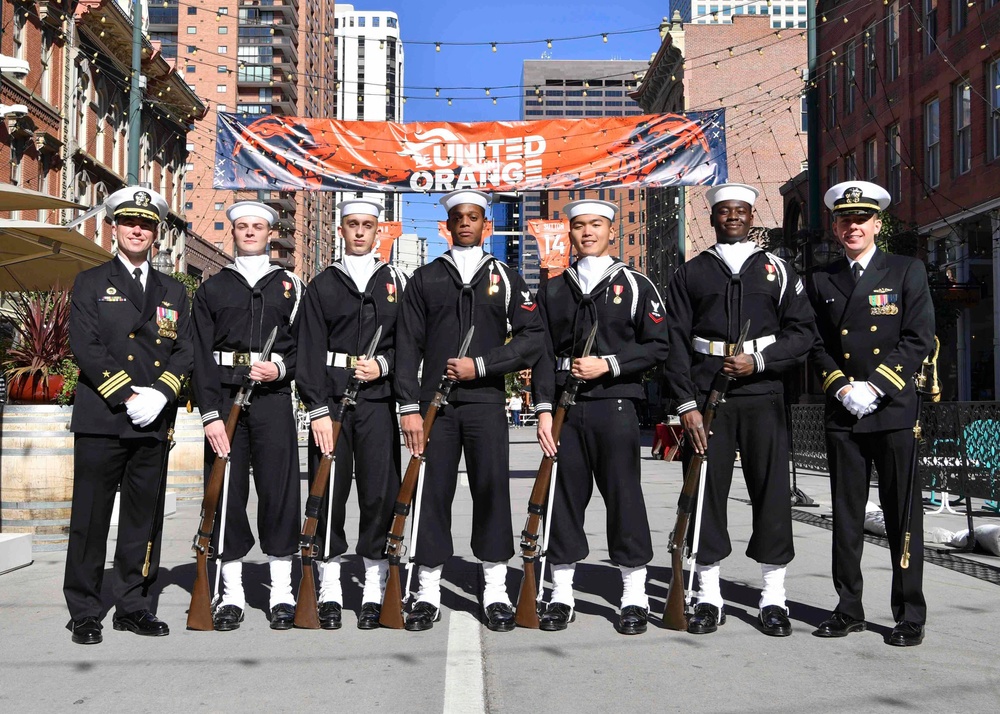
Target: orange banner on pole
(553,243)
(388,232)
(446,234)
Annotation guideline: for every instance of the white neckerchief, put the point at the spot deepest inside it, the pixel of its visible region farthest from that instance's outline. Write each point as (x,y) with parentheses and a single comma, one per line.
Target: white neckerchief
(735,254)
(129,268)
(252,267)
(590,269)
(360,268)
(863,259)
(466,259)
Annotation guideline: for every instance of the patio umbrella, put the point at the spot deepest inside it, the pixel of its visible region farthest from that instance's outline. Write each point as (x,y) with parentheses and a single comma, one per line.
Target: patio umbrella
(38,256)
(15,198)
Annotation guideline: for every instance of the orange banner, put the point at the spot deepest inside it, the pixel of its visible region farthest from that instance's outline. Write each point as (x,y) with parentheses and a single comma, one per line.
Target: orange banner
(387,234)
(446,234)
(290,153)
(553,243)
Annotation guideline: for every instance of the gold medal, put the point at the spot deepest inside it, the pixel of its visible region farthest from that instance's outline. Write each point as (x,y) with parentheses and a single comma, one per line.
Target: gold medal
(493,290)
(617,301)
(287,294)
(770,276)
(111,291)
(390,298)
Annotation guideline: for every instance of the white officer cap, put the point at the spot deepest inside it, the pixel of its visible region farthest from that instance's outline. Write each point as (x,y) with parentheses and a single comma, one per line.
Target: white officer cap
(364,206)
(731,192)
(856,197)
(254,209)
(457,198)
(136,201)
(590,207)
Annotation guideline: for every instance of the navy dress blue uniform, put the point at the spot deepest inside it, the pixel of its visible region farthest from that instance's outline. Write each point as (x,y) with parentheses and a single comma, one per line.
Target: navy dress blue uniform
(707,305)
(436,312)
(878,330)
(338,323)
(599,442)
(232,321)
(122,337)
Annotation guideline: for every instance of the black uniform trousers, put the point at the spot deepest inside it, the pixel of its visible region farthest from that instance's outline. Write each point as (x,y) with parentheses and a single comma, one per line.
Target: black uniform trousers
(367,451)
(266,439)
(599,443)
(851,455)
(480,430)
(755,424)
(102,465)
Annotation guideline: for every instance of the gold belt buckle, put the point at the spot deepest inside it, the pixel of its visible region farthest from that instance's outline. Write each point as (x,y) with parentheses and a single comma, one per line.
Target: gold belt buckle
(241,359)
(352,361)
(730,349)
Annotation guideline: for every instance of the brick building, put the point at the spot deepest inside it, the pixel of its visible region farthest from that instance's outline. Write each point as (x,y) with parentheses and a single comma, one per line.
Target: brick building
(909,97)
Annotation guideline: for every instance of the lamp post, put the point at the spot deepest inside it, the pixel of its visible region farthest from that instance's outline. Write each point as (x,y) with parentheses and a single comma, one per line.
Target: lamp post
(163,262)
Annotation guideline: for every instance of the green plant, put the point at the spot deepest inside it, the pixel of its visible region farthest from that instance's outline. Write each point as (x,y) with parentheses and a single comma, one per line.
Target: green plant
(189,282)
(41,320)
(70,372)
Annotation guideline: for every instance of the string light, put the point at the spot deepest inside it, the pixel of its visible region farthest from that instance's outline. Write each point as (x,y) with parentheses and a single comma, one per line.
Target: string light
(437,46)
(494,46)
(548,43)
(605,37)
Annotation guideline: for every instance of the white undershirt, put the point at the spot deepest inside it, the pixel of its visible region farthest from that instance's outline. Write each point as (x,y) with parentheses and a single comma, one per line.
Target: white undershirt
(590,269)
(863,259)
(252,267)
(735,254)
(466,259)
(360,268)
(130,268)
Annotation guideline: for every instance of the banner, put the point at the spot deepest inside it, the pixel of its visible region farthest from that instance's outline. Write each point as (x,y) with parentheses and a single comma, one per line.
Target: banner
(387,234)
(284,153)
(553,243)
(446,234)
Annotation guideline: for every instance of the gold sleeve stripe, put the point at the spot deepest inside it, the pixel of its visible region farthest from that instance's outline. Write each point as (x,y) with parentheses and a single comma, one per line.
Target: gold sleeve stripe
(833,377)
(891,376)
(113,384)
(171,381)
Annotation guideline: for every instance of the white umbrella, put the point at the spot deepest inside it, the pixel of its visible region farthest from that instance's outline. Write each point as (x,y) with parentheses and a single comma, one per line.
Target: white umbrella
(38,256)
(15,198)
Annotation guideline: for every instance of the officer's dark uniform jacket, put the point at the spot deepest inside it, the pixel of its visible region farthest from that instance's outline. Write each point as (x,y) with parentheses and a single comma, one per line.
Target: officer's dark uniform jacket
(705,300)
(233,320)
(631,333)
(878,331)
(123,339)
(338,319)
(438,310)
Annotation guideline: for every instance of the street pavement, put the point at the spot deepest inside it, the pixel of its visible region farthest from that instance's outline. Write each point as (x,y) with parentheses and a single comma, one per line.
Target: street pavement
(460,666)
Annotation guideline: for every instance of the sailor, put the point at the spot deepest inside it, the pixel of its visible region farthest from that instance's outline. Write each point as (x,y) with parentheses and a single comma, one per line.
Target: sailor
(599,442)
(344,307)
(709,300)
(465,287)
(130,332)
(234,313)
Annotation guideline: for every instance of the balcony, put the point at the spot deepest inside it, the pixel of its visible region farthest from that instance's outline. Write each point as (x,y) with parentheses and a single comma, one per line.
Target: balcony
(284,258)
(284,106)
(278,200)
(284,241)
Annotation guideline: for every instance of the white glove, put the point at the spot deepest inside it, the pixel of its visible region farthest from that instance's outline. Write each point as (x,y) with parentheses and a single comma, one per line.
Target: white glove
(860,400)
(146,406)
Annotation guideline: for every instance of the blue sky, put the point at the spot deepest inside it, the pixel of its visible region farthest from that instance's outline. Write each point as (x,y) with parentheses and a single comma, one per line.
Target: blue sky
(514,20)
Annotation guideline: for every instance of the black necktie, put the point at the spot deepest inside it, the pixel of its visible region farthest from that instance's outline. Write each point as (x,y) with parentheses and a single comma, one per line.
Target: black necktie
(137,274)
(856,272)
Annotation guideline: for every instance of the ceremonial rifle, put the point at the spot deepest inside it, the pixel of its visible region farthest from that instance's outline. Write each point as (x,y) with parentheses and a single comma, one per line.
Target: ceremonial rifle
(674,616)
(924,382)
(527,606)
(200,611)
(306,612)
(391,615)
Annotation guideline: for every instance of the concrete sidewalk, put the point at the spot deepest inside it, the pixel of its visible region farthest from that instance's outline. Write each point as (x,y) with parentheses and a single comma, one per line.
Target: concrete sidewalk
(462,667)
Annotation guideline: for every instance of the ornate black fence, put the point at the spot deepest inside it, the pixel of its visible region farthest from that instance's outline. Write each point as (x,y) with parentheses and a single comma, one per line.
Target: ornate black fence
(960,451)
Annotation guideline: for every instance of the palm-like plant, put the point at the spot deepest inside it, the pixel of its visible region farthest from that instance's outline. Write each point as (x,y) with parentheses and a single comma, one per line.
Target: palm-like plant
(42,321)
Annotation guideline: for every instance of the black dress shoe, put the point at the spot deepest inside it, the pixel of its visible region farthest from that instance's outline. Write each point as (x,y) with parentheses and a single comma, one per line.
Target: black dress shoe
(556,617)
(839,625)
(282,616)
(632,620)
(500,617)
(227,618)
(330,615)
(368,617)
(774,621)
(906,634)
(142,622)
(422,617)
(706,619)
(86,631)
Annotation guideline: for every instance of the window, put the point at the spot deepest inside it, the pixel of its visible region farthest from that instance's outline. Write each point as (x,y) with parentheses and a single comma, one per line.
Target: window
(851,167)
(192,10)
(850,75)
(804,113)
(223,49)
(930,26)
(189,186)
(192,49)
(361,22)
(192,30)
(219,205)
(391,22)
(871,161)
(892,42)
(959,15)
(188,205)
(222,69)
(219,226)
(932,142)
(963,128)
(223,11)
(223,30)
(190,69)
(894,163)
(871,65)
(993,118)
(832,176)
(220,88)
(375,22)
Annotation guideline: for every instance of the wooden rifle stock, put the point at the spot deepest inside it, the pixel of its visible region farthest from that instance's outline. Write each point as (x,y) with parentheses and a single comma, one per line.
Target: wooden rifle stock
(307,609)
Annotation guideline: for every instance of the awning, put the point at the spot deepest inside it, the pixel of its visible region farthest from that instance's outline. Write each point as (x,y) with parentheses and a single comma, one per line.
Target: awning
(39,256)
(15,198)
